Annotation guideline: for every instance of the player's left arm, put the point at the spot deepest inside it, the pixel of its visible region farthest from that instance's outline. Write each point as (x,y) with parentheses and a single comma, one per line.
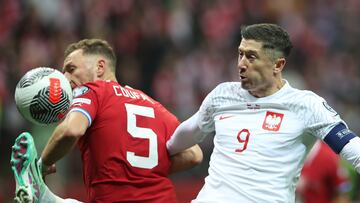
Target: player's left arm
(64,138)
(322,119)
(344,142)
(351,153)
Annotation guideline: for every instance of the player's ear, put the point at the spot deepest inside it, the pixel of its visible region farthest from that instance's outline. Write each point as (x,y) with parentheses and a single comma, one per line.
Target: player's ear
(279,65)
(100,69)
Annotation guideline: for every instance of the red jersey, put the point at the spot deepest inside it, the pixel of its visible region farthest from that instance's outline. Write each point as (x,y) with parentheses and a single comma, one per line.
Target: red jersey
(124,148)
(322,176)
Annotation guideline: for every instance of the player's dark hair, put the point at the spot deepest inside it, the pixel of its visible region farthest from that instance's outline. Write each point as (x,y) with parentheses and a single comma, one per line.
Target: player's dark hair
(96,47)
(271,35)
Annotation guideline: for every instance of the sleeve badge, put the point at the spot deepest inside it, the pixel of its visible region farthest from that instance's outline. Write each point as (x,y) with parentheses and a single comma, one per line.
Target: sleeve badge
(78,91)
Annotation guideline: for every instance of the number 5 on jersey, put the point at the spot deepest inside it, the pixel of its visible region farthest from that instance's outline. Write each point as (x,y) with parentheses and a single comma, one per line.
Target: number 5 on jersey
(145,133)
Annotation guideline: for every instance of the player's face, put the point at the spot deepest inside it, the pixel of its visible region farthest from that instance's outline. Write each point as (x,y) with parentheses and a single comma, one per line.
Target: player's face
(79,68)
(255,68)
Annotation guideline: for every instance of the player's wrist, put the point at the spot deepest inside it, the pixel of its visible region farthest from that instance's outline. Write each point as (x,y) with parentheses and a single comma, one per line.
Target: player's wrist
(43,166)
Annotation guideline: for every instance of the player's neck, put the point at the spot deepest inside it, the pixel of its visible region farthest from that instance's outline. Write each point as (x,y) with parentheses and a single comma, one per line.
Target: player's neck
(268,90)
(109,76)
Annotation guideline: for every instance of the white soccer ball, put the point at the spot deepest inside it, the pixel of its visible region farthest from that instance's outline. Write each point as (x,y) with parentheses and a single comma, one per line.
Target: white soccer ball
(43,96)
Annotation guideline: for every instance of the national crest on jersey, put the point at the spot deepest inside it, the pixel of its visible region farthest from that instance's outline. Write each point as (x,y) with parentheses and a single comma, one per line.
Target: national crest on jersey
(272,121)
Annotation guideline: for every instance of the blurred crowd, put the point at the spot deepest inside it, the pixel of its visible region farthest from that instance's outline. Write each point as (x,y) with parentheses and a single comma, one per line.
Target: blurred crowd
(176,51)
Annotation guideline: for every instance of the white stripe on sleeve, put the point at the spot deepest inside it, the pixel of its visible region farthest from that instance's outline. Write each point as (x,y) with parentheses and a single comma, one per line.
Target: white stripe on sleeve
(84,112)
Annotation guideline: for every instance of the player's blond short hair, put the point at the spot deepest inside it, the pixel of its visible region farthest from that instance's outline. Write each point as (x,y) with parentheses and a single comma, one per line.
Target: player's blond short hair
(94,47)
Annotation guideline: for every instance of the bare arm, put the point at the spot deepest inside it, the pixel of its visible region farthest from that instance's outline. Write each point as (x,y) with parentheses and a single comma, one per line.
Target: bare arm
(64,138)
(186,159)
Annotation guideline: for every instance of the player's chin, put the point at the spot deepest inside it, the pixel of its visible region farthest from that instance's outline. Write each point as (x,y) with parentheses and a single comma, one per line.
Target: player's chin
(245,85)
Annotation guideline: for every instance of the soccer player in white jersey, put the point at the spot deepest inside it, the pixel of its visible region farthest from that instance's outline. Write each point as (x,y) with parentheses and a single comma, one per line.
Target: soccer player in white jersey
(259,124)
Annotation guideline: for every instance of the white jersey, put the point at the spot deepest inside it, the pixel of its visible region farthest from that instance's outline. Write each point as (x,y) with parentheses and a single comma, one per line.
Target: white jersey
(258,145)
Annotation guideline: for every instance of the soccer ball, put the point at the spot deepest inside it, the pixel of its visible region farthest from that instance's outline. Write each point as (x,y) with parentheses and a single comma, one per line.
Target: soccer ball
(43,96)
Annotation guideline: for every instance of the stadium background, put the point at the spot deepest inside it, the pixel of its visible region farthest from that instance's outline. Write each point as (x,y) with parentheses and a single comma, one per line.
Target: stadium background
(176,51)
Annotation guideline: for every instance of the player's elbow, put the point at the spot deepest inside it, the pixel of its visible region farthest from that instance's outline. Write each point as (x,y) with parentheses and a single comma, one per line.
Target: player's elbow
(73,132)
(65,134)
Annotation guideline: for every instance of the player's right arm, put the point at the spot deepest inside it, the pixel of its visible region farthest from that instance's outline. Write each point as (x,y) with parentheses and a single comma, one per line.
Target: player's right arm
(63,139)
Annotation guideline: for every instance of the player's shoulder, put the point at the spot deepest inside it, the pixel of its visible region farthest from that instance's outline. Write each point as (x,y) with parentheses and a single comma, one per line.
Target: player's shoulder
(92,85)
(306,101)
(80,90)
(99,84)
(96,86)
(224,94)
(305,97)
(226,87)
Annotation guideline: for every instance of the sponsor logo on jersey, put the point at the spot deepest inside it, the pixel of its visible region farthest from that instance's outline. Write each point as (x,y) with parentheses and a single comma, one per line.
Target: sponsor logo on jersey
(80,91)
(272,121)
(328,107)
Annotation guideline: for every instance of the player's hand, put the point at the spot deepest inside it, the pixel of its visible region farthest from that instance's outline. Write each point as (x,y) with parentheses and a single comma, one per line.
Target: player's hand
(46,170)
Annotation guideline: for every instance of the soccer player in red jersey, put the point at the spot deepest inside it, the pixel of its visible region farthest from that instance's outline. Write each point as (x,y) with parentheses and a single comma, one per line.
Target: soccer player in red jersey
(323,178)
(121,133)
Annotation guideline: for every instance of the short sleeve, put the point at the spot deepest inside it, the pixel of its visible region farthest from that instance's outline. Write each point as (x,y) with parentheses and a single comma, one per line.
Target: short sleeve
(320,118)
(207,109)
(85,101)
